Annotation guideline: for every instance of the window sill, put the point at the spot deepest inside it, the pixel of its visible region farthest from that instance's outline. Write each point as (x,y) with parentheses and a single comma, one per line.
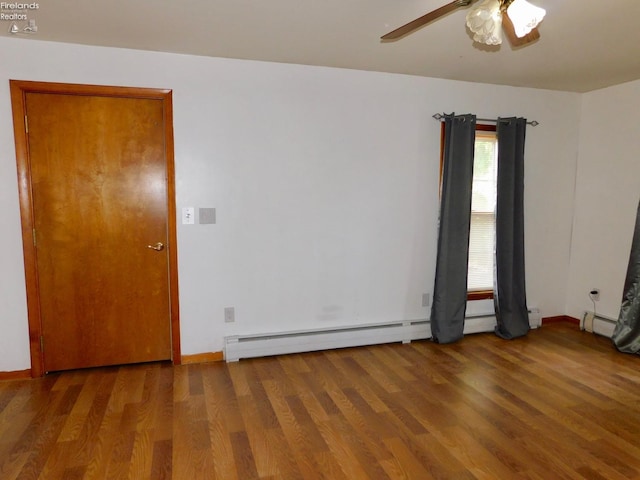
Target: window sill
(480,295)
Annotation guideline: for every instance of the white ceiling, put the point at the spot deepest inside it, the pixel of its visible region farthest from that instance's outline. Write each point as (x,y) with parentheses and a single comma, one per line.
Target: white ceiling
(584,44)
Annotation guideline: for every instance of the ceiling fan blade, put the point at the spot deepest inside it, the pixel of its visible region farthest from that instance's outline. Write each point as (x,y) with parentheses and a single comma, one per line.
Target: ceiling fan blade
(423,20)
(507,26)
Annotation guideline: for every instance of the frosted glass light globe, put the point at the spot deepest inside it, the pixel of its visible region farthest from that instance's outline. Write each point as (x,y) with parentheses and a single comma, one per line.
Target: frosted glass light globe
(524,16)
(485,22)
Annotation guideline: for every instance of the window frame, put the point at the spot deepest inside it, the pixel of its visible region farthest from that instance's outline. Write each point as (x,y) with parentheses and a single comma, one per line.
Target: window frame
(482,127)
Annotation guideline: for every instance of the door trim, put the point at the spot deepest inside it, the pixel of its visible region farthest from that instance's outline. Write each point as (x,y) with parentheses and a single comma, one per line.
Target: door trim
(19,89)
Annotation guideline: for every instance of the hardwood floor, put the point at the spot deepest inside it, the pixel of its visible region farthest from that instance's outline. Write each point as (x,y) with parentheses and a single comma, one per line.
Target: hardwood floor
(559,404)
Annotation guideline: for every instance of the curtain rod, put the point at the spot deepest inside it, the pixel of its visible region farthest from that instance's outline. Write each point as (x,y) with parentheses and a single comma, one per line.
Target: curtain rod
(440,117)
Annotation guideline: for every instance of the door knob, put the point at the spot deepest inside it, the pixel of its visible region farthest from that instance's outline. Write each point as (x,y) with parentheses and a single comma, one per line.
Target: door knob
(158,246)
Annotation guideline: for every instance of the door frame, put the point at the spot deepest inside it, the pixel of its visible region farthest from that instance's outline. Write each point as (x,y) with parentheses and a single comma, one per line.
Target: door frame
(19,89)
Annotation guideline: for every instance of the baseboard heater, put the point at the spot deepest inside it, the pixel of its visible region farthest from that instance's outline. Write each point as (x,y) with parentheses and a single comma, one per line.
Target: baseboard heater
(261,345)
(247,346)
(599,324)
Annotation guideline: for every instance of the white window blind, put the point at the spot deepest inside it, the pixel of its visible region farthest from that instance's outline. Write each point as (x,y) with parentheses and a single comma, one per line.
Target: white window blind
(483,204)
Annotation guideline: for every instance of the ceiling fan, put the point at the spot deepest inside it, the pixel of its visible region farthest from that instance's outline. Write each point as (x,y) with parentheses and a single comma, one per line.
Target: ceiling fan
(486,21)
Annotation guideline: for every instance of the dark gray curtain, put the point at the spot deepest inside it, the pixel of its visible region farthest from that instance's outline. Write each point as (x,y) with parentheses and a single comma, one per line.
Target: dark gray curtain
(450,289)
(510,293)
(626,335)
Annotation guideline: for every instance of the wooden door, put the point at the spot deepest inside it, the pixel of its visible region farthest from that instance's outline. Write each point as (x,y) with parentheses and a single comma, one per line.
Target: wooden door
(98,178)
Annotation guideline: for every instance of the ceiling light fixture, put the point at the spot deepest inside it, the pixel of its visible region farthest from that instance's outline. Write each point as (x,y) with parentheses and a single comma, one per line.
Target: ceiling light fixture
(485,19)
(524,16)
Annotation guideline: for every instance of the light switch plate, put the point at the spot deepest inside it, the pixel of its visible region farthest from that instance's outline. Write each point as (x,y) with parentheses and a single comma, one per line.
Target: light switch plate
(188,215)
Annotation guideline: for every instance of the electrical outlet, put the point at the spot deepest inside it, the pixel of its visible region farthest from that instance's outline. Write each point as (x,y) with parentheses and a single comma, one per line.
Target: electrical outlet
(594,294)
(229,315)
(426,300)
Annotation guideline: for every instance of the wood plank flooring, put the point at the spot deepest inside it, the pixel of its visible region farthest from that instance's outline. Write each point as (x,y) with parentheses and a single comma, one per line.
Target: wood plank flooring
(559,404)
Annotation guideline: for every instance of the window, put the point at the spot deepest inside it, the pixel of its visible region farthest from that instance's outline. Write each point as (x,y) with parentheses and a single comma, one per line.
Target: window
(483,204)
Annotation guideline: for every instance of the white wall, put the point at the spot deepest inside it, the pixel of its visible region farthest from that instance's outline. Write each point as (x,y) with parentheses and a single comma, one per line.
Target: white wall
(325,183)
(607,194)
